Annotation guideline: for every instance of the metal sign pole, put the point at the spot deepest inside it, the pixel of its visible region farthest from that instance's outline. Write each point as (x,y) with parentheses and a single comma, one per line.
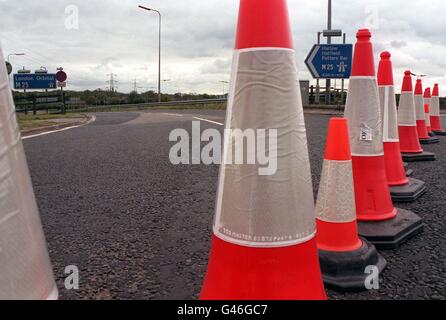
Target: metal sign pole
(318,85)
(63,100)
(328,83)
(343,81)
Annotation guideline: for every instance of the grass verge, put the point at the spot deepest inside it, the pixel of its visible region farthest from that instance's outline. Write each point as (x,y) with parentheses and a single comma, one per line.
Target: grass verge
(29,122)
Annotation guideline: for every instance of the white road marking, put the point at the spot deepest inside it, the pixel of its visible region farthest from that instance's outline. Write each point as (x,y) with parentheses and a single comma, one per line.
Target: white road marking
(173,114)
(210,121)
(93,119)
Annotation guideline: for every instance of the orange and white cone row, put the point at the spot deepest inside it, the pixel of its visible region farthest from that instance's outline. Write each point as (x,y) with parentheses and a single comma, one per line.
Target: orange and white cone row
(25,268)
(435,112)
(422,115)
(343,256)
(366,136)
(420,112)
(264,245)
(407,124)
(335,206)
(402,189)
(379,221)
(396,174)
(407,118)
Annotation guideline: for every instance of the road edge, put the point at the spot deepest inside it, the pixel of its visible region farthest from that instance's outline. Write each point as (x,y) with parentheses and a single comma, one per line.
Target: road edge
(57,128)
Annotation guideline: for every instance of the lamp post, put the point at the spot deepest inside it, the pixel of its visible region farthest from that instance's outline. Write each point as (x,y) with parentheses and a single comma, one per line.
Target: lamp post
(159,47)
(8,63)
(224,83)
(14,54)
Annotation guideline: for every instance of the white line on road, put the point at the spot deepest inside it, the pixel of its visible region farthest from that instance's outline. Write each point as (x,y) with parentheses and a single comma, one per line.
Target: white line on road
(173,114)
(93,119)
(210,121)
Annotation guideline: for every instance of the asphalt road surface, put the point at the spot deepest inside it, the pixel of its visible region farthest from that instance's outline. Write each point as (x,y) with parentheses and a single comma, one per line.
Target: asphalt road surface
(138,227)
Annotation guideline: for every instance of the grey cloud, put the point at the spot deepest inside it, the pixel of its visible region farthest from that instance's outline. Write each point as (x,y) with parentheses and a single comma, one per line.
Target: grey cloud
(199,36)
(219,66)
(398,44)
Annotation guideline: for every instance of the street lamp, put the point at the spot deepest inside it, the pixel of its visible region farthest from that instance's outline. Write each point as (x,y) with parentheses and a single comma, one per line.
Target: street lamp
(159,59)
(224,86)
(14,54)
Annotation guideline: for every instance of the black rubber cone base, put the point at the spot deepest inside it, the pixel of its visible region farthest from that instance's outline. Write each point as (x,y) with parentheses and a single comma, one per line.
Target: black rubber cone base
(429,141)
(409,192)
(440,133)
(345,271)
(422,156)
(391,234)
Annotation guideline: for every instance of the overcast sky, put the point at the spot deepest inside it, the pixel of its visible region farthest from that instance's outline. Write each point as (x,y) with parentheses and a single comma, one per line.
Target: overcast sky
(114,36)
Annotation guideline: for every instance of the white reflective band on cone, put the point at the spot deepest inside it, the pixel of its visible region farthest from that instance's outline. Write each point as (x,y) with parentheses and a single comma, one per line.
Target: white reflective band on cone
(270,210)
(406,111)
(364,114)
(389,113)
(336,198)
(428,119)
(419,107)
(25,270)
(427,114)
(435,106)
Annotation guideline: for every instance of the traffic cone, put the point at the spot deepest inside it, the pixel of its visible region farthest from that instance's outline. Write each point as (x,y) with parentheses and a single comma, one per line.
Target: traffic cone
(427,114)
(263,244)
(420,108)
(343,256)
(402,188)
(435,112)
(25,269)
(380,223)
(407,125)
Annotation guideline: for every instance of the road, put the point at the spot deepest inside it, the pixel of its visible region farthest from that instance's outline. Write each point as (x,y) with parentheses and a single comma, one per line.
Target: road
(139,227)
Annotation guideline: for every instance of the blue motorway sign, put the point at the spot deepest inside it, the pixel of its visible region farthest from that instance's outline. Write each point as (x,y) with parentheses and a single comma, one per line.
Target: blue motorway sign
(30,81)
(330,61)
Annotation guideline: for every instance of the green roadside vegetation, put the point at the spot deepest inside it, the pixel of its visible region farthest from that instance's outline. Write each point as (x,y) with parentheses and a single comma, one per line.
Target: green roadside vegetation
(30,121)
(142,107)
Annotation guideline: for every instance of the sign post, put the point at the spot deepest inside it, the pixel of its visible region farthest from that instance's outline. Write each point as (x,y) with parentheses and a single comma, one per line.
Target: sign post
(61,77)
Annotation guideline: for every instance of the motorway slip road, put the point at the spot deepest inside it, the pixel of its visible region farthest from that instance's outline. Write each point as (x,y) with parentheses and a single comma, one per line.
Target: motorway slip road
(139,227)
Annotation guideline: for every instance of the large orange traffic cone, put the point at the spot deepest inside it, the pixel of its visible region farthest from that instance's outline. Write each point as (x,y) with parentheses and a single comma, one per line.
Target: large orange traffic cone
(25,269)
(420,107)
(435,112)
(264,244)
(343,256)
(402,188)
(380,222)
(407,125)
